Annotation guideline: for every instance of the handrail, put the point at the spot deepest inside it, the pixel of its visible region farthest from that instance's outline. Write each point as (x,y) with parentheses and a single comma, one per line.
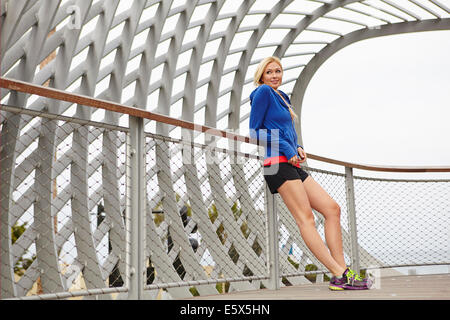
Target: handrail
(409,169)
(26,87)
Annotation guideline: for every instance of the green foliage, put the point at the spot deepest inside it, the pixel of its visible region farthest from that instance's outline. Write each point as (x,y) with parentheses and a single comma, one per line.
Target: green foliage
(212,212)
(311,277)
(158,217)
(256,247)
(236,212)
(223,287)
(295,264)
(285,281)
(194,291)
(17,231)
(234,255)
(363,273)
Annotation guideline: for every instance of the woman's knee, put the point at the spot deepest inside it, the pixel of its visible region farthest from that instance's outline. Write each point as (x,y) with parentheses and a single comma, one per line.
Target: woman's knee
(333,211)
(305,218)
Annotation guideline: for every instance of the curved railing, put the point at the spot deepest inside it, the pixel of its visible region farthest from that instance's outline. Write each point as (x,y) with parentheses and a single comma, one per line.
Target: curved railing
(94,208)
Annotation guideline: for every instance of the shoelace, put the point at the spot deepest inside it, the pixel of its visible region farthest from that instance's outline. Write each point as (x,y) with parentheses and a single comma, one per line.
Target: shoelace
(352,275)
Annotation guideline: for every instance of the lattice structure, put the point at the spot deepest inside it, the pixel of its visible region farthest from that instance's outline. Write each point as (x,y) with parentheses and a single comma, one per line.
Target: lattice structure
(188,59)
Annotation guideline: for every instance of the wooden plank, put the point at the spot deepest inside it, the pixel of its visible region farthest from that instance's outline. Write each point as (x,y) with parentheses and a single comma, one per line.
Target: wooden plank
(417,287)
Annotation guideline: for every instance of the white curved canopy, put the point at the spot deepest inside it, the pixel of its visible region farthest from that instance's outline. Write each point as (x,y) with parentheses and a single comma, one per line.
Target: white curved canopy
(189,59)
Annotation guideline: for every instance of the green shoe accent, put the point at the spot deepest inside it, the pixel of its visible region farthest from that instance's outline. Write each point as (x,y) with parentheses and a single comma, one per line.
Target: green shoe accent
(335,288)
(352,274)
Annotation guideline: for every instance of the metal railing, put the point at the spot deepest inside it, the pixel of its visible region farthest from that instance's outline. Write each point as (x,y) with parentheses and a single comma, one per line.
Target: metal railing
(97,210)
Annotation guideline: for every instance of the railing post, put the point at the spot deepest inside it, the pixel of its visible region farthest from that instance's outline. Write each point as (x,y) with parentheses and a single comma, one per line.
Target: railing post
(136,210)
(351,212)
(272,239)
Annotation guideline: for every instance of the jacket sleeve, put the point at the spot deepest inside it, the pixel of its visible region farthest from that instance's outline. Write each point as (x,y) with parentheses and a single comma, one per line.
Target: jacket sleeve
(259,106)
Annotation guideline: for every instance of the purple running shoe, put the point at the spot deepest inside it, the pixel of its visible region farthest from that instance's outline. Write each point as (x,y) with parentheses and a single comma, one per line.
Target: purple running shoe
(337,284)
(350,281)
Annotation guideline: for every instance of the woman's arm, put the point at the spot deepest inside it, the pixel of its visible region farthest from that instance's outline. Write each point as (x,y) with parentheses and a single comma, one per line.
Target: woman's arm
(259,104)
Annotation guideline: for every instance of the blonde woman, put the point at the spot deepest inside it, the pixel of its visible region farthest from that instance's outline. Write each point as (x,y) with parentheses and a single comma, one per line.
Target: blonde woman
(272,123)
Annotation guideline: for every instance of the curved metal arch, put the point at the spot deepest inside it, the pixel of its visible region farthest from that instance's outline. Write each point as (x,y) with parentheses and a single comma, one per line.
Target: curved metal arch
(234,113)
(25,71)
(169,70)
(314,64)
(236,92)
(219,64)
(148,59)
(195,61)
(22,15)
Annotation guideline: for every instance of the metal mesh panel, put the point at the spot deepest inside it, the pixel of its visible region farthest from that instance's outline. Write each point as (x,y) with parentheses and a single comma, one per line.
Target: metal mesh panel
(295,257)
(63,205)
(403,222)
(399,223)
(208,226)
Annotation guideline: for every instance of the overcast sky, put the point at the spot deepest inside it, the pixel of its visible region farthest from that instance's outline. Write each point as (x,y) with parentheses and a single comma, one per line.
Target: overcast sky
(383,101)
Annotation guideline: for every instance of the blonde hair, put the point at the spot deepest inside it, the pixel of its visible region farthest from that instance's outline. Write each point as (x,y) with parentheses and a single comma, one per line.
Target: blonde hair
(259,74)
(262,66)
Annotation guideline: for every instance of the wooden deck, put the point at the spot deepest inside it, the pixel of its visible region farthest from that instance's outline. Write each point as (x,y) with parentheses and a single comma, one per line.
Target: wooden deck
(417,287)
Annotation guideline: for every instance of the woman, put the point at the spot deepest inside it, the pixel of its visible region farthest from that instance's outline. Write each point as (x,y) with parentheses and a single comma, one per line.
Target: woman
(272,123)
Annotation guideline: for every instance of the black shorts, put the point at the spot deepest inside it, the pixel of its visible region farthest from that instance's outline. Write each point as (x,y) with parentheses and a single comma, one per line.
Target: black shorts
(276,174)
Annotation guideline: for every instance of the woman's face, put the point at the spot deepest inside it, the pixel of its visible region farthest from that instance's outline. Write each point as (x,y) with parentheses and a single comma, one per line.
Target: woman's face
(272,75)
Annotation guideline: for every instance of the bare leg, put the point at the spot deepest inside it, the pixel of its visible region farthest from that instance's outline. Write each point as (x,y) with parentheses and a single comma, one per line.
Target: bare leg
(296,199)
(321,201)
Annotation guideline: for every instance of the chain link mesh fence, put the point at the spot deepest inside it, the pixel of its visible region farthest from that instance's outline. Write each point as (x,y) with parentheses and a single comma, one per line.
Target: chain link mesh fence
(62,205)
(206,226)
(399,223)
(403,222)
(298,264)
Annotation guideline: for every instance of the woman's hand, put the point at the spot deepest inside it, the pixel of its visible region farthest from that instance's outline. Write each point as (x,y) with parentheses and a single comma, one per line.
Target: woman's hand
(295,160)
(302,154)
(300,158)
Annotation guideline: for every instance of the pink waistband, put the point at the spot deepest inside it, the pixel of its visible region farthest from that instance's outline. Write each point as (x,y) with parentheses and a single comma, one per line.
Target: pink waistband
(274,160)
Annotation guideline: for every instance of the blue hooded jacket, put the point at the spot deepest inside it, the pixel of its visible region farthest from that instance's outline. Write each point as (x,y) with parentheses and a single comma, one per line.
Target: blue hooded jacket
(269,112)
